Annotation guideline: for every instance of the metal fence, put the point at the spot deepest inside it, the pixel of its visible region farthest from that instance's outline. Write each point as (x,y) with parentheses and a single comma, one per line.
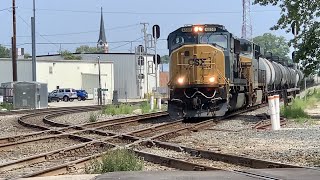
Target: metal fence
(7,94)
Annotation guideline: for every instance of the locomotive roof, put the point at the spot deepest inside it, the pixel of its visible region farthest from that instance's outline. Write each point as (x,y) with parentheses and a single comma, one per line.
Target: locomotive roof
(210,27)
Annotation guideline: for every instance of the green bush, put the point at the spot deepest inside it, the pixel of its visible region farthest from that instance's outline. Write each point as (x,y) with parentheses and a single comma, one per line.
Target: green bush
(115,160)
(7,106)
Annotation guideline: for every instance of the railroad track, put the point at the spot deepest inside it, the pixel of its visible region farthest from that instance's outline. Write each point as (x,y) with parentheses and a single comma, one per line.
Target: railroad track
(105,135)
(32,111)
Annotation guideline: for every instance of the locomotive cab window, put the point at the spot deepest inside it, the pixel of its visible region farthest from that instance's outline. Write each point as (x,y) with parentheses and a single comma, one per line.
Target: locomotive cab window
(177,40)
(217,39)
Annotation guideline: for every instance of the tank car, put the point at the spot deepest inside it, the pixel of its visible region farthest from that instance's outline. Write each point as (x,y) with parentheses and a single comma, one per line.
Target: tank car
(212,72)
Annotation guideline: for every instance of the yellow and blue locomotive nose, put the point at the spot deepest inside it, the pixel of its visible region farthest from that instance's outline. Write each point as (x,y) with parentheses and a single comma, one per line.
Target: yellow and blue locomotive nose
(197,81)
(197,64)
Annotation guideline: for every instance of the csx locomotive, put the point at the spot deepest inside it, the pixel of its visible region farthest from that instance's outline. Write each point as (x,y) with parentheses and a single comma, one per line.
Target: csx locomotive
(212,72)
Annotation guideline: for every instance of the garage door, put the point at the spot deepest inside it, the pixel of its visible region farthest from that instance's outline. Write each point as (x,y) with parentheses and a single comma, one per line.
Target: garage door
(89,82)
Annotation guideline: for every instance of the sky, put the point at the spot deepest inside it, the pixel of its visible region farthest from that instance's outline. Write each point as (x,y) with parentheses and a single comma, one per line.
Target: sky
(67,24)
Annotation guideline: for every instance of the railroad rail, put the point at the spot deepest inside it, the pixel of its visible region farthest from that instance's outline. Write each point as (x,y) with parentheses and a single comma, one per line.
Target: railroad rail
(96,138)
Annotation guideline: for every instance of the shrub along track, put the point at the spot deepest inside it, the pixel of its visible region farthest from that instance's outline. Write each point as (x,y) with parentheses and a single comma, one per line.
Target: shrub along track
(142,141)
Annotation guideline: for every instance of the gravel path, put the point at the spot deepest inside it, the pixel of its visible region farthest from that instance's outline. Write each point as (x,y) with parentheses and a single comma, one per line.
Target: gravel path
(297,143)
(34,148)
(9,126)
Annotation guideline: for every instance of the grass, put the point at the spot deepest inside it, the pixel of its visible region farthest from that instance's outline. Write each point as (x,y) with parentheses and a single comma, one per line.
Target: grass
(115,160)
(93,117)
(296,109)
(118,109)
(128,109)
(7,106)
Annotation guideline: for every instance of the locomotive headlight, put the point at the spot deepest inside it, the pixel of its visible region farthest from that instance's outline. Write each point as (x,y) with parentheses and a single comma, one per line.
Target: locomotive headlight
(198,29)
(212,79)
(180,80)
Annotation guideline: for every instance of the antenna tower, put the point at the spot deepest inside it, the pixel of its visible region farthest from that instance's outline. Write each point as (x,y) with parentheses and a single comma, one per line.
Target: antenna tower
(246,20)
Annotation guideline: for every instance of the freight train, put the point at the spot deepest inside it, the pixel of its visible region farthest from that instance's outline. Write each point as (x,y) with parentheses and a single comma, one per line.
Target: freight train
(212,73)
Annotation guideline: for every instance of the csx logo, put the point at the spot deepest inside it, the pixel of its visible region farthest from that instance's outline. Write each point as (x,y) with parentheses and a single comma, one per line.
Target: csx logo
(197,62)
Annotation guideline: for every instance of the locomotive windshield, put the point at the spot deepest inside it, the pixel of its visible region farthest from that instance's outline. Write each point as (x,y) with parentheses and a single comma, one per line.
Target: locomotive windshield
(182,39)
(178,39)
(212,38)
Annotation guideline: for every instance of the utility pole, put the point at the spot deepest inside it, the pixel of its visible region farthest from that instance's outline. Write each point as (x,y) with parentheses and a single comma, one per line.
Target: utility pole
(99,90)
(145,37)
(14,43)
(33,35)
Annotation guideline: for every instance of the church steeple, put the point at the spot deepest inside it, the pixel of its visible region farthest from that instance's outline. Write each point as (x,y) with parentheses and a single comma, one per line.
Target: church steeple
(102,42)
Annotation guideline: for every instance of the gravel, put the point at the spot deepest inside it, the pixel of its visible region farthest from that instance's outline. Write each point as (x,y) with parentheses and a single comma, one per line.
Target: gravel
(148,166)
(36,167)
(9,126)
(296,143)
(191,159)
(84,117)
(33,148)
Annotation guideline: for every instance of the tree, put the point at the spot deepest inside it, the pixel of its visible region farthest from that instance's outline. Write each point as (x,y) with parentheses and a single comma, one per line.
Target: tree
(88,49)
(271,43)
(4,52)
(304,14)
(67,55)
(165,59)
(27,55)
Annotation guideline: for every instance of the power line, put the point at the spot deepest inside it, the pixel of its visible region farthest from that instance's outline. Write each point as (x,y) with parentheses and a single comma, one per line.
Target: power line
(154,13)
(37,32)
(70,43)
(86,32)
(5,9)
(126,43)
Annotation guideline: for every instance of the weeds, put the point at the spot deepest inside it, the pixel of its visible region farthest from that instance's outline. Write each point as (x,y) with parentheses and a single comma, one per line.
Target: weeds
(7,106)
(118,109)
(296,109)
(115,160)
(93,117)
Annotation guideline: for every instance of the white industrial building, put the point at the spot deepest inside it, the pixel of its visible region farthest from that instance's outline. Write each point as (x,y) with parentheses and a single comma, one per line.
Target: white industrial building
(77,74)
(119,71)
(126,72)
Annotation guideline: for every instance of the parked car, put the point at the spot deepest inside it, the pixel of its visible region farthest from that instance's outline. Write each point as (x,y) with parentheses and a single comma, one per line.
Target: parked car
(82,95)
(53,96)
(65,94)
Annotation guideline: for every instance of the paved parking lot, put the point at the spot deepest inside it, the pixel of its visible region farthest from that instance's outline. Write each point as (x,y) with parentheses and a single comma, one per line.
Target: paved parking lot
(73,103)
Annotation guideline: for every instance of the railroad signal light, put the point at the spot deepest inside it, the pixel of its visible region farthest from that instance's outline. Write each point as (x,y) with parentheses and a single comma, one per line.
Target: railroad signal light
(158,59)
(156,31)
(141,76)
(140,49)
(140,60)
(295,28)
(293,56)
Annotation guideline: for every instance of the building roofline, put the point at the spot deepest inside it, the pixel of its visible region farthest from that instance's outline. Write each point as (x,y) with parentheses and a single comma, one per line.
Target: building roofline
(58,60)
(90,53)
